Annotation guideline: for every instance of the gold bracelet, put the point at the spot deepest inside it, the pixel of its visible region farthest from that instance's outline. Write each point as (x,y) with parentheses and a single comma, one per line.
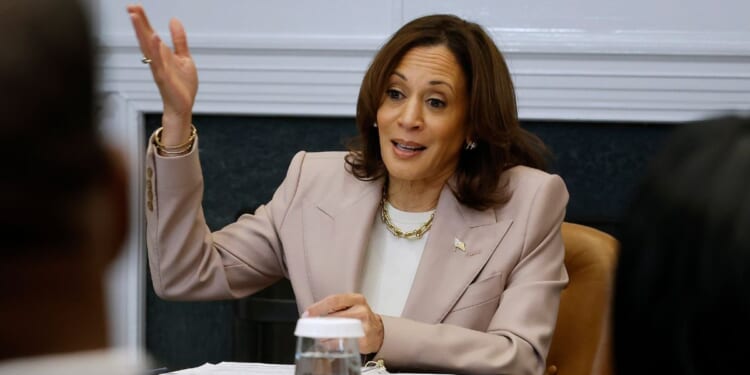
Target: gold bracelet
(177,150)
(162,152)
(157,140)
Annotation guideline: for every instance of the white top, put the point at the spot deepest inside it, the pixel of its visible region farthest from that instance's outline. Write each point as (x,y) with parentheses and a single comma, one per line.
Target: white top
(391,262)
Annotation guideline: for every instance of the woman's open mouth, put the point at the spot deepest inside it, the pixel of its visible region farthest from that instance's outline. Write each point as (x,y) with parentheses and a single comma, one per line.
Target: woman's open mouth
(407,149)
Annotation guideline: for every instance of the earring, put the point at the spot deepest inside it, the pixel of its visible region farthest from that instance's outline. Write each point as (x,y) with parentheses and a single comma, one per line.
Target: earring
(374,124)
(470,146)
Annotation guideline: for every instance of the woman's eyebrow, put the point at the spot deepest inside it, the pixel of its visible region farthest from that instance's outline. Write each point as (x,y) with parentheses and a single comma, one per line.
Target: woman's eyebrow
(435,82)
(400,75)
(442,83)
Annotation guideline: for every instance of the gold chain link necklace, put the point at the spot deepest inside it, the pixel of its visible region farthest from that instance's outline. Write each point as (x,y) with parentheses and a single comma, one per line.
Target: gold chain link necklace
(396,231)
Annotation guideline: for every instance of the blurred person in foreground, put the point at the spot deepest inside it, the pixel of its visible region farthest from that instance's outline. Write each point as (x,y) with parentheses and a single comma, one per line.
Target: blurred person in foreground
(438,229)
(682,291)
(62,196)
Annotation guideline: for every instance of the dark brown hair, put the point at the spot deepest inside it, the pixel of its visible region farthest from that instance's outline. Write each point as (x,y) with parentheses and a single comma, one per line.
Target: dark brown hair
(48,137)
(492,113)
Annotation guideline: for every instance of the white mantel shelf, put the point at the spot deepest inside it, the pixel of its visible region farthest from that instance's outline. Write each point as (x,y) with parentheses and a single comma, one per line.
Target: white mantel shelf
(559,75)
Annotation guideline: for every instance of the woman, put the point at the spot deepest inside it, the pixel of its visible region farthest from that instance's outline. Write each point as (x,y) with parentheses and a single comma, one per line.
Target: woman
(682,291)
(436,231)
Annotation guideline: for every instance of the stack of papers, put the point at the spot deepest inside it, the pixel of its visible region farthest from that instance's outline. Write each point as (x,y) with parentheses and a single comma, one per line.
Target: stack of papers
(244,368)
(228,368)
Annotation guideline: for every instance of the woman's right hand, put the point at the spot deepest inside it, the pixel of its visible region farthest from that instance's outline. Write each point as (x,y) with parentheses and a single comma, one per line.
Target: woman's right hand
(174,73)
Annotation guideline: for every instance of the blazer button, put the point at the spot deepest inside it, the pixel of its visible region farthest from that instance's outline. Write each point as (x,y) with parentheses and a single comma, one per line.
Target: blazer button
(149,172)
(150,206)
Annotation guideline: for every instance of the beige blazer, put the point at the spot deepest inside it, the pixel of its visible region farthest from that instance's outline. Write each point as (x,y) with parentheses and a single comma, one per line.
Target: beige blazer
(489,309)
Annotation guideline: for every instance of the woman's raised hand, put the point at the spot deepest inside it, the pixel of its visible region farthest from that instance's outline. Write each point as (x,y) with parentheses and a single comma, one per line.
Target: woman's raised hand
(174,73)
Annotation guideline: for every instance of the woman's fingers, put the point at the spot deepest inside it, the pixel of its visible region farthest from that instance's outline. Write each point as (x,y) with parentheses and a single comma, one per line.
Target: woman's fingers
(179,38)
(174,73)
(148,41)
(138,10)
(158,53)
(141,25)
(333,303)
(372,325)
(140,32)
(352,306)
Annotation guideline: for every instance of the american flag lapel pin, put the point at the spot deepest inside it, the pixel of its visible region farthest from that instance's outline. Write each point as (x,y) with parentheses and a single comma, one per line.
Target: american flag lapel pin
(459,245)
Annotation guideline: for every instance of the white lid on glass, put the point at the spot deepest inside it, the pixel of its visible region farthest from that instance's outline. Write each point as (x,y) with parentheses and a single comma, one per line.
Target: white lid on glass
(324,327)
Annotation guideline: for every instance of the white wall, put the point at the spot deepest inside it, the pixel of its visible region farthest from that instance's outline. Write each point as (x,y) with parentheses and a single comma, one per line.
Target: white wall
(637,60)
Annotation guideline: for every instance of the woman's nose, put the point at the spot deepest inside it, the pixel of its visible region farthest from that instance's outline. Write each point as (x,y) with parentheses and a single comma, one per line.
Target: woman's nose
(411,114)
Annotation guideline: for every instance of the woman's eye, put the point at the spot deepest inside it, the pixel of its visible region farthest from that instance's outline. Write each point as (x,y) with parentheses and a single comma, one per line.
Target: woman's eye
(436,103)
(394,94)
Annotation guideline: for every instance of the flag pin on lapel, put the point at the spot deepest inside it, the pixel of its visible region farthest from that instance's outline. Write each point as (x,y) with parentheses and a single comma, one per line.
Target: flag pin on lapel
(458,244)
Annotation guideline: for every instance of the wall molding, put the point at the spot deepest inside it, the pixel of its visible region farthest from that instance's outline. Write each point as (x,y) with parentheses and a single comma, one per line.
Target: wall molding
(123,126)
(559,74)
(660,43)
(528,40)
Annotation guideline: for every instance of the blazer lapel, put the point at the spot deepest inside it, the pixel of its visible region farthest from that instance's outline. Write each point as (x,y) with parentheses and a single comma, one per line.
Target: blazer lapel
(337,233)
(445,270)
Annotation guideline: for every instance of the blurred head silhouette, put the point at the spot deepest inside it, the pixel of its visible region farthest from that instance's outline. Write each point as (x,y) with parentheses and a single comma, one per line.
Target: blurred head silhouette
(682,293)
(62,191)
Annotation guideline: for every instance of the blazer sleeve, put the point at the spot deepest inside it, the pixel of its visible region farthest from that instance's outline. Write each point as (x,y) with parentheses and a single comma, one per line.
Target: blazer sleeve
(188,261)
(518,337)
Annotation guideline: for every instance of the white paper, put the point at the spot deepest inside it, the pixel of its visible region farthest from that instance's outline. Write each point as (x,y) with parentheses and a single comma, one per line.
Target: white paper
(254,368)
(228,368)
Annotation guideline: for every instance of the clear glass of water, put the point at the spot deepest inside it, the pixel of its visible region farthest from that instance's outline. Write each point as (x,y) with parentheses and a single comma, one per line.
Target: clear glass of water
(328,346)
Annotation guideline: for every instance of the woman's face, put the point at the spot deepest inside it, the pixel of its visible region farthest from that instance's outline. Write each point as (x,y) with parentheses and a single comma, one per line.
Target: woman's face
(422,118)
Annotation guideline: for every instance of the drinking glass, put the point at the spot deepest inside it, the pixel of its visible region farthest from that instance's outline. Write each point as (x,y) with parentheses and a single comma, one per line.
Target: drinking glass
(328,346)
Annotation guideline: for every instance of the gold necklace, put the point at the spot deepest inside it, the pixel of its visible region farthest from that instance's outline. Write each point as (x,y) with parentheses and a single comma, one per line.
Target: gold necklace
(396,231)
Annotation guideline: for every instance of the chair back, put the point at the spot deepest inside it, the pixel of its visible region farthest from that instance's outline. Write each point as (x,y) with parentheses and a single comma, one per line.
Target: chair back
(581,344)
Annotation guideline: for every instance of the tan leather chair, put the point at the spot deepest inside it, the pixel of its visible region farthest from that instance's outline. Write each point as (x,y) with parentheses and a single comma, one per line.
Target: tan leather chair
(581,343)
